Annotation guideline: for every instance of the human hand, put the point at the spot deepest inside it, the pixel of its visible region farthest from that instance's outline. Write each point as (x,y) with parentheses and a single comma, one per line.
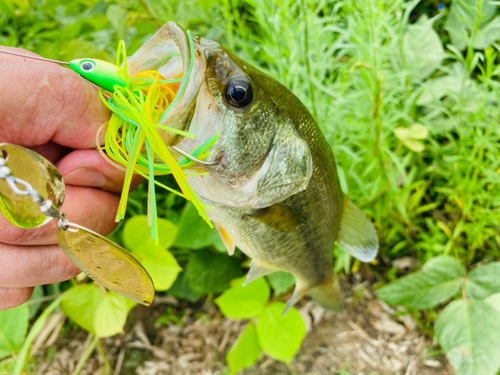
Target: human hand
(55,112)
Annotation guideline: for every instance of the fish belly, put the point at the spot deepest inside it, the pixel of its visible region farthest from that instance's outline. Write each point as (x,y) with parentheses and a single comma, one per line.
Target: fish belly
(306,252)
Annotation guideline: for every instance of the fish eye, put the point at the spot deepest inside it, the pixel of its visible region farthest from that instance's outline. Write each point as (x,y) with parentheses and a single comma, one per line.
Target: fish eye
(239,93)
(87,66)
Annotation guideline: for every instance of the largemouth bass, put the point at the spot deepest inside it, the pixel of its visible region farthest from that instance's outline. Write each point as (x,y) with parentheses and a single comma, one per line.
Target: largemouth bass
(274,190)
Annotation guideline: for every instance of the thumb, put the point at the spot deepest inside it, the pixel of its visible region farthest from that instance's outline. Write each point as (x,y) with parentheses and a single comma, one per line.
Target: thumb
(44,101)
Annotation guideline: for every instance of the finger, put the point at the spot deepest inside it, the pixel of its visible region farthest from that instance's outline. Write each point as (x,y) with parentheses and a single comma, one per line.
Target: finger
(27,266)
(48,102)
(90,208)
(51,151)
(13,297)
(89,168)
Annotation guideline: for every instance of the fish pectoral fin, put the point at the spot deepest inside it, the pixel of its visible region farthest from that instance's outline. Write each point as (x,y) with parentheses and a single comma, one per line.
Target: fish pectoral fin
(279,217)
(329,295)
(226,239)
(257,270)
(357,235)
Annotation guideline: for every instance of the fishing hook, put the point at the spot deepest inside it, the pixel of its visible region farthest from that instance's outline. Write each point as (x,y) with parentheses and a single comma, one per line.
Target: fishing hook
(192,158)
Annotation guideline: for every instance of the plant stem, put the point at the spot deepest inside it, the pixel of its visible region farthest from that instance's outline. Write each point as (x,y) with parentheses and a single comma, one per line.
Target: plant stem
(107,366)
(150,12)
(43,299)
(305,10)
(228,16)
(37,326)
(469,58)
(89,347)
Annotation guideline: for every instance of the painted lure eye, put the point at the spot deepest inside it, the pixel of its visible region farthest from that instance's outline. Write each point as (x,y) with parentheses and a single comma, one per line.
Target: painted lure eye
(239,93)
(87,66)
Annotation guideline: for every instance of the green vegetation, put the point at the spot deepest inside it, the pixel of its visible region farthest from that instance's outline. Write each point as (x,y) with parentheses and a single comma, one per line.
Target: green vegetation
(268,330)
(407,95)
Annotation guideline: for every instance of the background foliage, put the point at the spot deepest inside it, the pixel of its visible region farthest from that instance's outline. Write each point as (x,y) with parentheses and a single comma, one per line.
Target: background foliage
(407,94)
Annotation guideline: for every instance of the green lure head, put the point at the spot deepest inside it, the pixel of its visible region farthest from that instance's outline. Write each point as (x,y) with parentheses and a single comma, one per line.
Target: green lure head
(100,73)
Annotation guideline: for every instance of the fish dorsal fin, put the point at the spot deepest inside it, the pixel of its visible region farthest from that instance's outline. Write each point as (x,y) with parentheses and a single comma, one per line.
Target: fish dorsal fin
(257,270)
(280,218)
(226,239)
(357,235)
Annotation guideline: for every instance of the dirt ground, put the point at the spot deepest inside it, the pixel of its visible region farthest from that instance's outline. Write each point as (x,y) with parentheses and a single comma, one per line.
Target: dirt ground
(369,338)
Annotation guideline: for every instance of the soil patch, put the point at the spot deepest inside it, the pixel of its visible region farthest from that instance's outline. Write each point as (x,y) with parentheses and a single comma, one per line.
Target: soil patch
(179,338)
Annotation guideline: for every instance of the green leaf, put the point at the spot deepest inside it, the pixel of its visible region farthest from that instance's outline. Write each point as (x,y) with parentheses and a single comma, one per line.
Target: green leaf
(158,261)
(418,131)
(494,301)
(130,304)
(342,258)
(280,336)
(79,49)
(488,34)
(7,365)
(409,136)
(483,281)
(438,281)
(98,312)
(81,302)
(194,232)
(160,264)
(37,294)
(13,328)
(117,16)
(461,22)
(468,333)
(245,351)
(208,272)
(137,233)
(181,289)
(207,5)
(111,315)
(434,90)
(281,282)
(241,302)
(424,51)
(7,8)
(414,145)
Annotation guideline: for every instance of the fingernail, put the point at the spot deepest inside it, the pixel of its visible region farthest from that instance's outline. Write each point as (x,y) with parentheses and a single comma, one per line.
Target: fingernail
(85,177)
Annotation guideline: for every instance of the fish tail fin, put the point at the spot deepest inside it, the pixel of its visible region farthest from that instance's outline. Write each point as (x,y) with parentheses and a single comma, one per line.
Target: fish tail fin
(329,295)
(357,235)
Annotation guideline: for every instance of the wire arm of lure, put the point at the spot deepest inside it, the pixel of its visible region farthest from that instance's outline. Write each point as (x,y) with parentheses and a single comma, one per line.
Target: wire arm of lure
(34,57)
(192,158)
(100,73)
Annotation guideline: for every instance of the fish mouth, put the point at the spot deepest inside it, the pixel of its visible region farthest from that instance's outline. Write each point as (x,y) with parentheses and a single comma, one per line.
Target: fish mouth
(174,54)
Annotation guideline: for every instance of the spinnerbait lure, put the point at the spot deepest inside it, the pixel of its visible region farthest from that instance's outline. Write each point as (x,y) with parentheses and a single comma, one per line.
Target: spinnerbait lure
(31,205)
